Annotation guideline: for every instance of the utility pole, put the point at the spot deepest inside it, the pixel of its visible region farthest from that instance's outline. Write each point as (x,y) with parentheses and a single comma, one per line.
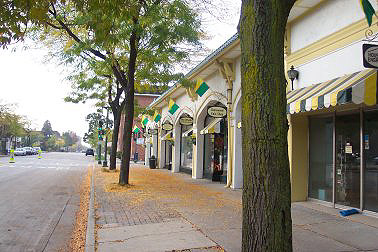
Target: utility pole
(105,164)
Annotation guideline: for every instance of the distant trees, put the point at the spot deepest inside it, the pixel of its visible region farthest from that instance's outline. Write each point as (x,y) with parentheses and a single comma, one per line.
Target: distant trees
(47,129)
(70,138)
(51,140)
(12,125)
(91,137)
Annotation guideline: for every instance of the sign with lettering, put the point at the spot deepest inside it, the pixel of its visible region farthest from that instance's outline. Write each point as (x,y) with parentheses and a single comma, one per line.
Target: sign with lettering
(167,126)
(370,55)
(348,149)
(217,111)
(152,131)
(186,121)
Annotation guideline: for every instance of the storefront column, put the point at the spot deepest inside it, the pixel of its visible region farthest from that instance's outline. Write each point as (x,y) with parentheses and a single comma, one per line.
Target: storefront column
(147,153)
(161,150)
(155,143)
(197,171)
(176,149)
(237,174)
(298,156)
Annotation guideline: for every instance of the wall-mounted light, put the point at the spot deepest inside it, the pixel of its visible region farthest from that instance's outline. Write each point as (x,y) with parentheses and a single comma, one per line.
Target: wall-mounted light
(293,74)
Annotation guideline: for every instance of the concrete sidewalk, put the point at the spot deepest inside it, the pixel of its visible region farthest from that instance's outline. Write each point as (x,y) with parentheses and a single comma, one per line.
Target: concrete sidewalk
(161,211)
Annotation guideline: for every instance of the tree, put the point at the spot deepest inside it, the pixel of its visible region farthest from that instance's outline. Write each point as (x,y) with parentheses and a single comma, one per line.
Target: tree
(138,41)
(36,137)
(91,137)
(47,129)
(11,124)
(94,82)
(51,143)
(266,191)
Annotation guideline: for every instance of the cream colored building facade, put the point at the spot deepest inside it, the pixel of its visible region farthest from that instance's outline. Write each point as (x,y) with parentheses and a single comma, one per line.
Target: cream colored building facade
(331,111)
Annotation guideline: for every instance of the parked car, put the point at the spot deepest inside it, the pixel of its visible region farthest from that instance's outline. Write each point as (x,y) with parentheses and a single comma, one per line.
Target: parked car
(89,152)
(20,152)
(29,150)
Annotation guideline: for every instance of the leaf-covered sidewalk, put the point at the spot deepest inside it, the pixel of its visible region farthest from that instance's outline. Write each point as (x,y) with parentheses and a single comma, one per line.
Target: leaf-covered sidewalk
(157,196)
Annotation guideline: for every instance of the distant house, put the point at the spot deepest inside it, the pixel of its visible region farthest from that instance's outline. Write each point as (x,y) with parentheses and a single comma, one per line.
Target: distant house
(143,101)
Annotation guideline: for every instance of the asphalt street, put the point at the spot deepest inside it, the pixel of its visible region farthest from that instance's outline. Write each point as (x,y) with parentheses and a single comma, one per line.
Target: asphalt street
(38,200)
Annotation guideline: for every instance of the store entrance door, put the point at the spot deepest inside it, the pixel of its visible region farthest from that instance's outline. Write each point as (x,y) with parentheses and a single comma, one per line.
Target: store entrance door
(168,155)
(348,160)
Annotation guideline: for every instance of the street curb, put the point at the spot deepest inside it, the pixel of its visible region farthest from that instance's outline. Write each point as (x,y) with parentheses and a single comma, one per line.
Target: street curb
(90,237)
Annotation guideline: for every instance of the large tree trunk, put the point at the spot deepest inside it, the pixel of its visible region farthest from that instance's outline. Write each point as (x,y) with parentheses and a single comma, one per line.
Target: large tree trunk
(266,194)
(113,151)
(129,110)
(126,148)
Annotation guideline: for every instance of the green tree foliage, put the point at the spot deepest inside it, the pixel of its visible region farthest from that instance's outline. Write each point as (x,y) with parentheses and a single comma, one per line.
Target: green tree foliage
(70,138)
(51,143)
(12,125)
(36,137)
(47,129)
(91,137)
(137,42)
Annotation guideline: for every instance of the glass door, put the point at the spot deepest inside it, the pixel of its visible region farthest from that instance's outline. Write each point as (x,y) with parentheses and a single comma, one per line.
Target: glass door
(370,145)
(348,160)
(168,154)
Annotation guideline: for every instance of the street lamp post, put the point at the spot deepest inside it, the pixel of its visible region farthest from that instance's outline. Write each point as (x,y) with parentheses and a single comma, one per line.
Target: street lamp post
(105,163)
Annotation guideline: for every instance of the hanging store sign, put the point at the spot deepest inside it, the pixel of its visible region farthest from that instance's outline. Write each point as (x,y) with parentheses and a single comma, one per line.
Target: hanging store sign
(370,55)
(186,121)
(348,148)
(217,112)
(140,141)
(152,131)
(167,126)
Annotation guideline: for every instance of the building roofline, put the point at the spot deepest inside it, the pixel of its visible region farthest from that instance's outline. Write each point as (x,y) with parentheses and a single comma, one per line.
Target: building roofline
(146,94)
(205,61)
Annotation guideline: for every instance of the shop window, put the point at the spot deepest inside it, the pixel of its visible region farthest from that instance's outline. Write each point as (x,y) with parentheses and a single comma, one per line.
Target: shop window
(370,145)
(321,155)
(215,151)
(186,155)
(348,160)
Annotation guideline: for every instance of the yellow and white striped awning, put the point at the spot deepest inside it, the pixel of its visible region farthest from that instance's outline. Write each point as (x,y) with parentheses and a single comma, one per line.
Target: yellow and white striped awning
(210,128)
(167,136)
(186,133)
(359,87)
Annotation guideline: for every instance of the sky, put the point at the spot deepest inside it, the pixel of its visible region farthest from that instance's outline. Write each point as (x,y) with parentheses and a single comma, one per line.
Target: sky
(38,88)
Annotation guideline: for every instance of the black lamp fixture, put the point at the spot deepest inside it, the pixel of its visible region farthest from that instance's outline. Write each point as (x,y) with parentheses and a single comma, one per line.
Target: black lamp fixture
(293,74)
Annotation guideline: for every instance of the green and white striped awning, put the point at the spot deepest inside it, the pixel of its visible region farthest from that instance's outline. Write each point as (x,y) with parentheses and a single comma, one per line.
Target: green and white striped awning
(357,88)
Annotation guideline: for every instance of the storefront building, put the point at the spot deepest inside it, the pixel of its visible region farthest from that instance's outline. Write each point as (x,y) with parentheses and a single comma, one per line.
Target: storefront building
(332,108)
(204,132)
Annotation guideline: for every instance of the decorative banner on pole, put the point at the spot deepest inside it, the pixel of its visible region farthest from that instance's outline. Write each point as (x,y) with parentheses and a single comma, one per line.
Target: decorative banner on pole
(144,120)
(136,129)
(368,10)
(157,117)
(172,107)
(201,87)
